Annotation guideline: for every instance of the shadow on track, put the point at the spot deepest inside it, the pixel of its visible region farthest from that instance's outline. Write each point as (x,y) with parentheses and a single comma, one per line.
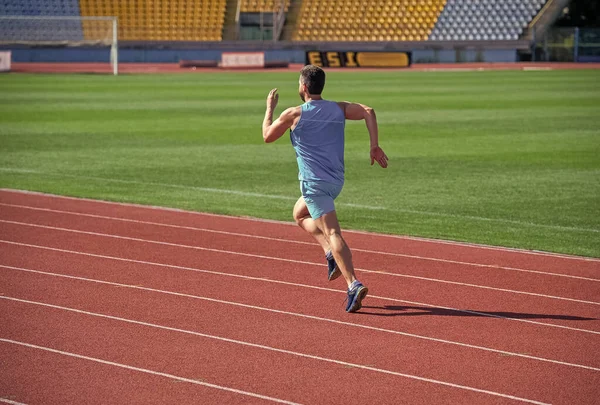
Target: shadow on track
(401,310)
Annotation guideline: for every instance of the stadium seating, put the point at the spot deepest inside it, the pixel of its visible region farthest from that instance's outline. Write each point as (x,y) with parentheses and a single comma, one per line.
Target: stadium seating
(254,6)
(485,19)
(414,20)
(318,20)
(375,20)
(39,7)
(39,30)
(161,20)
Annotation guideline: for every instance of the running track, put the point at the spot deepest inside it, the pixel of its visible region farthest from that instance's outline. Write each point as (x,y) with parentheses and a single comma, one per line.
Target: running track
(123,304)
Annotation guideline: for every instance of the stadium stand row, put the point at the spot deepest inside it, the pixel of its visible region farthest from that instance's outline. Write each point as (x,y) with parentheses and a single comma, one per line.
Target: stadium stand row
(161,20)
(378,20)
(39,7)
(485,19)
(266,6)
(318,20)
(39,30)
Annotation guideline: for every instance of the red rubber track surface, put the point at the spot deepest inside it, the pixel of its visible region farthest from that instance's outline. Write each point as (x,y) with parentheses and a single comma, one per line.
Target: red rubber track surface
(64,67)
(115,303)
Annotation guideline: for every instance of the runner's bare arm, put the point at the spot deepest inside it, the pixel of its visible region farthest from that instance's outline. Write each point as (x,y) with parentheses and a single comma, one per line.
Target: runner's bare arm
(356,111)
(272,131)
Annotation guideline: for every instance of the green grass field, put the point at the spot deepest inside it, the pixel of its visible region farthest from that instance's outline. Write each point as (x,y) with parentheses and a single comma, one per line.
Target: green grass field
(501,158)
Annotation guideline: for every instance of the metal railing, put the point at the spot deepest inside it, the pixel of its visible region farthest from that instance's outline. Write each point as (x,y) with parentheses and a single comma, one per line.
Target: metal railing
(567,44)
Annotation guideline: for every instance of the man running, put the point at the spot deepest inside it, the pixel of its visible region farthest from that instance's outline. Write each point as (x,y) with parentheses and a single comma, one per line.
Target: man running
(317,134)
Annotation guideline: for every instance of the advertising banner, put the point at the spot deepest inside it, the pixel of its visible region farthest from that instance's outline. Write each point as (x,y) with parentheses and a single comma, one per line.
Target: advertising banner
(359,59)
(5,57)
(243,59)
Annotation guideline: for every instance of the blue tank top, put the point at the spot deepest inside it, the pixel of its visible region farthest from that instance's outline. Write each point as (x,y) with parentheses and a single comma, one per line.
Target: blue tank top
(318,140)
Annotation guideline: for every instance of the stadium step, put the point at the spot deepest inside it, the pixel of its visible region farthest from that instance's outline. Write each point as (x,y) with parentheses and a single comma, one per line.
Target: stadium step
(229,25)
(545,18)
(290,20)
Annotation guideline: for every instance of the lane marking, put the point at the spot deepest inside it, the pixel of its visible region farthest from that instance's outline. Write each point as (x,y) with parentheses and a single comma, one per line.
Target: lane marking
(251,219)
(146,371)
(290,198)
(181,186)
(295,241)
(295,314)
(8,401)
(435,280)
(17,170)
(277,350)
(269,280)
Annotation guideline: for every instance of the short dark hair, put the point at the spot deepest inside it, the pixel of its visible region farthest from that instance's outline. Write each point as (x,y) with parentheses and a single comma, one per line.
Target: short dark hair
(314,78)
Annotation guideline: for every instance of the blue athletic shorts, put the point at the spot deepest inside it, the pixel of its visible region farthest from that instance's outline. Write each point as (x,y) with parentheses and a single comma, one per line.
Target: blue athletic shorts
(319,196)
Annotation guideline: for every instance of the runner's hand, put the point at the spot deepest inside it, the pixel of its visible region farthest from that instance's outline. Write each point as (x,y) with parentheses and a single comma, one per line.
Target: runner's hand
(379,156)
(272,99)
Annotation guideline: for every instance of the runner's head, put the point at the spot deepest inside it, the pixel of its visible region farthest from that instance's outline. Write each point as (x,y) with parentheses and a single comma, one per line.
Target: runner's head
(312,81)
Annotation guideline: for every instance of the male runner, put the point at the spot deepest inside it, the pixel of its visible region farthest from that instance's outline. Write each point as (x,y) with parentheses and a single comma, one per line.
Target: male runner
(317,134)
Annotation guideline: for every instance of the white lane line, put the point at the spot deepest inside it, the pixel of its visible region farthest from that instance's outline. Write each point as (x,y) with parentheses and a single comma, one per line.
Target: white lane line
(284,223)
(491,315)
(17,170)
(290,198)
(184,187)
(471,245)
(192,228)
(146,371)
(292,353)
(295,314)
(435,280)
(8,401)
(269,280)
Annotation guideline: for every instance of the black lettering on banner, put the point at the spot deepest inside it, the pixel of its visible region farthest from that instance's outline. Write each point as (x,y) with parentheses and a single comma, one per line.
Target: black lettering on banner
(314,58)
(359,59)
(350,61)
(333,59)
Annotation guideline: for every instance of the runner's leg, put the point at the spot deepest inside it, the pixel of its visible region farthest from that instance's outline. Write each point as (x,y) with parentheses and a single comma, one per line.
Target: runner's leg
(305,221)
(330,228)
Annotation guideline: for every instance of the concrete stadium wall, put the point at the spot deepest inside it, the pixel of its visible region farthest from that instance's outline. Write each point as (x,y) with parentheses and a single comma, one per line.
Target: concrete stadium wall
(174,55)
(131,55)
(464,55)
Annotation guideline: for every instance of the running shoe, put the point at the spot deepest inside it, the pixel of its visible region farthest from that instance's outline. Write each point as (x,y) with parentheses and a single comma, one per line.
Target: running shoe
(333,271)
(355,297)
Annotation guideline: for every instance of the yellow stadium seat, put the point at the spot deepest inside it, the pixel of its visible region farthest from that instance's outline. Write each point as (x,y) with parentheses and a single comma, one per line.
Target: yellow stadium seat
(169,20)
(250,6)
(377,20)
